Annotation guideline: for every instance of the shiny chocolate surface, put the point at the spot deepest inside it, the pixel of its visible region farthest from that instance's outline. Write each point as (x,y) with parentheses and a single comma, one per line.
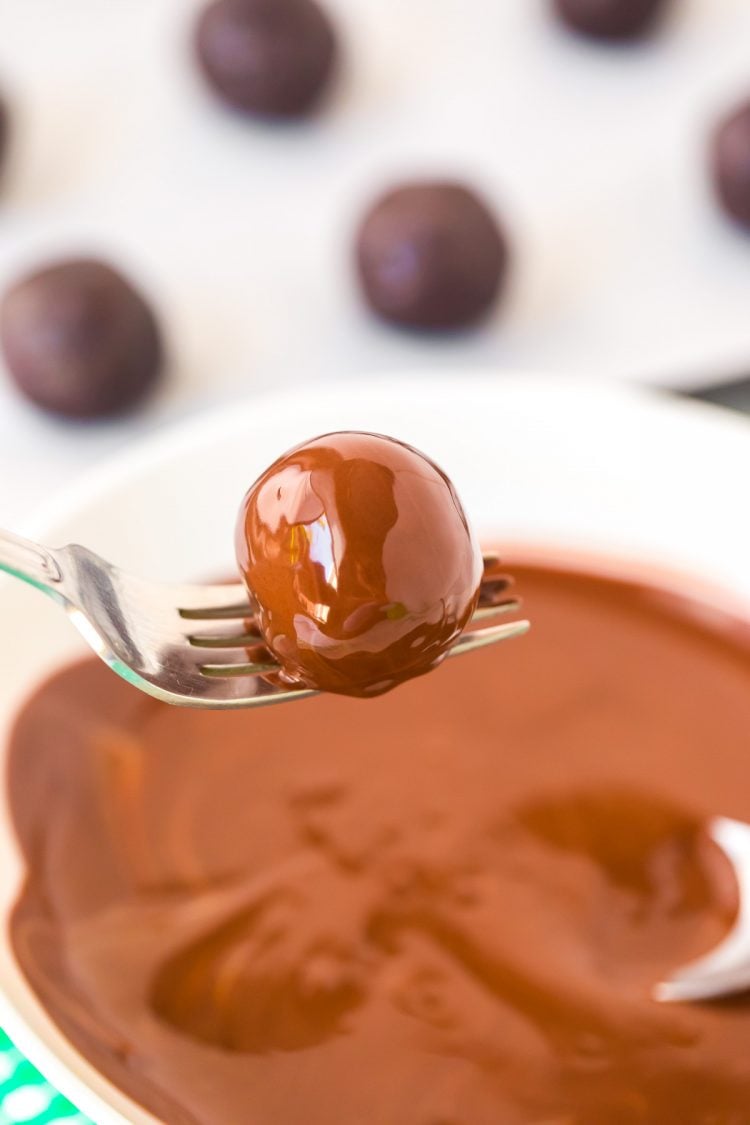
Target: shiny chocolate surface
(362,562)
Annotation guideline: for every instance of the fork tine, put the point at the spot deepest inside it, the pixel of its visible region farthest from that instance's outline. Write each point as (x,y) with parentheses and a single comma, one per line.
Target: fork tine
(229,640)
(489,636)
(226,602)
(218,613)
(480,638)
(243,640)
(211,604)
(484,612)
(222,671)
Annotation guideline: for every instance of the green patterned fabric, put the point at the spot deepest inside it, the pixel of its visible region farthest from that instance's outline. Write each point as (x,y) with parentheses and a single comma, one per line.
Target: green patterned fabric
(26,1098)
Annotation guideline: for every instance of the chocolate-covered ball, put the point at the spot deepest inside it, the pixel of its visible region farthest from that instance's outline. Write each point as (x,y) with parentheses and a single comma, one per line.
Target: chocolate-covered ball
(361,560)
(79,340)
(731,164)
(611,19)
(431,255)
(273,58)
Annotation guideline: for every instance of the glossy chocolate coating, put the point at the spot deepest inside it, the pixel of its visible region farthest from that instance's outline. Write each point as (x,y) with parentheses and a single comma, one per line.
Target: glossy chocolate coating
(611,19)
(431,255)
(362,562)
(445,906)
(731,164)
(79,340)
(273,58)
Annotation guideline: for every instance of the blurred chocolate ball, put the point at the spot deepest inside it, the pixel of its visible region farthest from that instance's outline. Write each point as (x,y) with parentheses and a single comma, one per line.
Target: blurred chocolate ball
(273,58)
(610,19)
(4,130)
(79,340)
(431,255)
(731,163)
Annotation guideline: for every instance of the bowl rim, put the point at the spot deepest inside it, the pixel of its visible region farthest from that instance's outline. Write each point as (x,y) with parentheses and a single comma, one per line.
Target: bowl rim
(164,443)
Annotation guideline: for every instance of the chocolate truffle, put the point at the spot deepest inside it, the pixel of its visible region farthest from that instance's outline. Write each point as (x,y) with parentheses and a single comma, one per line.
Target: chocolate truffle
(79,340)
(273,58)
(361,560)
(610,19)
(431,255)
(731,164)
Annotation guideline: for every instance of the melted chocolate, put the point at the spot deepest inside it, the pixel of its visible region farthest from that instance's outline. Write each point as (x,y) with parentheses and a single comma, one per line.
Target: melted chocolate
(360,557)
(446,906)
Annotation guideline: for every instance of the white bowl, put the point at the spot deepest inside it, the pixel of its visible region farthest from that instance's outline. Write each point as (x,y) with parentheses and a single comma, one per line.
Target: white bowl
(544,462)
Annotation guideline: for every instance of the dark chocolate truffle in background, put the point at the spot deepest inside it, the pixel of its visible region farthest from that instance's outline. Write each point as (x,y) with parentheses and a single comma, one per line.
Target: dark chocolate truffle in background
(79,340)
(273,58)
(731,164)
(614,20)
(431,255)
(361,560)
(4,130)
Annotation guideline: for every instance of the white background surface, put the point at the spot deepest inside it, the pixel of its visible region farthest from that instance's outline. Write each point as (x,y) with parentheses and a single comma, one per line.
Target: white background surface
(241,232)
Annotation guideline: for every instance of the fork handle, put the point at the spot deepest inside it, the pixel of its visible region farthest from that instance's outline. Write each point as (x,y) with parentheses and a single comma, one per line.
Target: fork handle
(28,561)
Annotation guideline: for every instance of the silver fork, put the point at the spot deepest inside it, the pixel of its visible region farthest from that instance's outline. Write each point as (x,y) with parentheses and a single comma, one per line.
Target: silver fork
(195,646)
